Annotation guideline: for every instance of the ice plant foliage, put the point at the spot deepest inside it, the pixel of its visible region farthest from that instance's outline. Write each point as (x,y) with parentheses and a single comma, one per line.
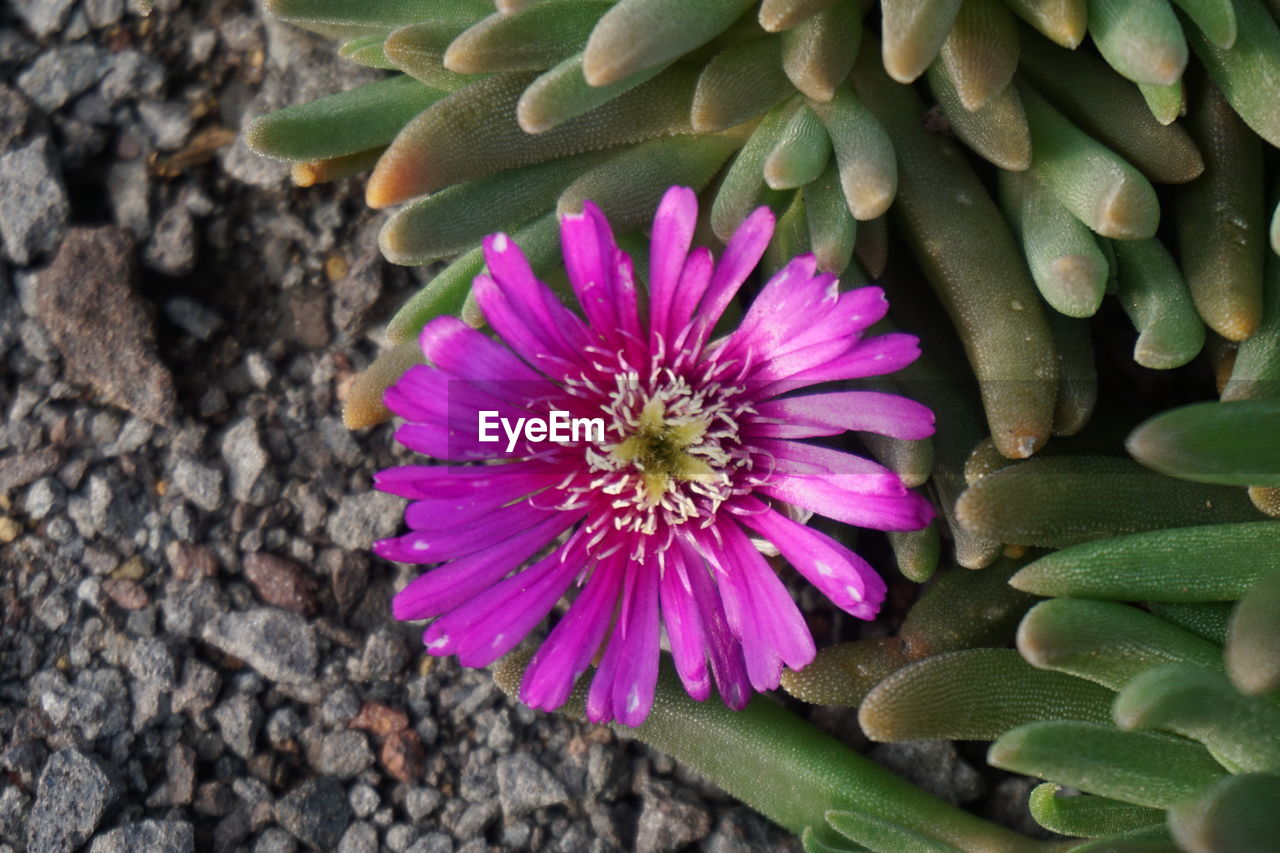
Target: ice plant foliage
(702,468)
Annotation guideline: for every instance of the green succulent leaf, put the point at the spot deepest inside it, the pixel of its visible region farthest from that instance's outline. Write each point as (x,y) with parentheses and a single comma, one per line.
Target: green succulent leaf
(1107,642)
(818,54)
(346,123)
(880,834)
(997,130)
(741,82)
(1087,815)
(1142,768)
(1253,638)
(1206,619)
(976,694)
(981,52)
(1248,73)
(1216,562)
(529,40)
(1141,39)
(1236,814)
(1235,443)
(914,32)
(1239,731)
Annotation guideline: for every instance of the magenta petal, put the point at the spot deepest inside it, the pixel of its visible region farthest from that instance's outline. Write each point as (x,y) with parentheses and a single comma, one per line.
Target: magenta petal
(495,621)
(725,651)
(746,248)
(840,574)
(878,512)
(684,626)
(672,235)
(830,414)
(589,247)
(464,353)
(846,471)
(444,588)
(454,481)
(762,614)
(573,642)
(637,630)
(871,357)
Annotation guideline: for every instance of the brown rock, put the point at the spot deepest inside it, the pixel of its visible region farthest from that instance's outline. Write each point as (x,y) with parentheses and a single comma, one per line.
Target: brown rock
(379,720)
(127,593)
(188,561)
(403,756)
(22,468)
(349,575)
(87,301)
(280,582)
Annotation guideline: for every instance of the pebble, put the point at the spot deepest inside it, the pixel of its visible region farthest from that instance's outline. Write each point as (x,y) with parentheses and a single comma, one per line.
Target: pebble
(670,819)
(86,299)
(75,792)
(344,754)
(316,812)
(280,645)
(239,718)
(33,201)
(242,450)
(198,482)
(280,582)
(361,519)
(933,765)
(59,74)
(153,836)
(524,785)
(359,838)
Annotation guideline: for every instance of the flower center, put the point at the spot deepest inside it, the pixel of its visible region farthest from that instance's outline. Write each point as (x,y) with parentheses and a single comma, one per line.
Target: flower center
(659,450)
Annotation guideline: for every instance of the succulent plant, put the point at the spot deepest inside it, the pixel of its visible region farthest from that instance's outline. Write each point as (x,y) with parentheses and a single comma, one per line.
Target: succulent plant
(987,149)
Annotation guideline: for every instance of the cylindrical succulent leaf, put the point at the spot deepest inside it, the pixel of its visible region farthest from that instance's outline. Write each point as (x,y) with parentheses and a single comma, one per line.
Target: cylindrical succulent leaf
(1063,21)
(778,15)
(997,131)
(629,185)
(1097,185)
(638,34)
(312,172)
(542,34)
(913,33)
(563,93)
(976,694)
(876,833)
(1215,18)
(818,54)
(1165,102)
(801,153)
(1220,219)
(1206,619)
(1077,372)
(743,189)
(456,218)
(418,50)
(1087,815)
(1236,443)
(348,122)
(1141,39)
(1256,369)
(1134,767)
(375,13)
(1064,258)
(1239,731)
(1106,642)
(981,51)
(832,228)
(1059,501)
(1253,638)
(864,154)
(1236,814)
(363,406)
(1100,102)
(473,133)
(917,552)
(1248,73)
(974,265)
(741,82)
(1156,298)
(1214,562)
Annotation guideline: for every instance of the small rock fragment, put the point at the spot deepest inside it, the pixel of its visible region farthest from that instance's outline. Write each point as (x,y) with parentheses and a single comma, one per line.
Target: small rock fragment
(403,756)
(74,793)
(281,582)
(153,836)
(524,785)
(33,200)
(316,812)
(278,644)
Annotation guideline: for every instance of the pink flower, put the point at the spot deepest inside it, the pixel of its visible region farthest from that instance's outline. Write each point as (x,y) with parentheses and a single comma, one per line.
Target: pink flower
(660,523)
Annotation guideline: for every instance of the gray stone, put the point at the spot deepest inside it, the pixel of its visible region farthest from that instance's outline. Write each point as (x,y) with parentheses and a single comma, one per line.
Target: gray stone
(196,320)
(168,121)
(43,17)
(278,644)
(188,607)
(61,73)
(670,819)
(97,704)
(127,186)
(172,247)
(275,840)
(316,812)
(74,793)
(361,519)
(933,765)
(132,75)
(242,449)
(432,842)
(199,483)
(344,754)
(422,801)
(42,497)
(359,838)
(103,13)
(399,836)
(384,656)
(525,785)
(21,468)
(87,300)
(364,799)
(13,813)
(153,836)
(33,200)
(239,719)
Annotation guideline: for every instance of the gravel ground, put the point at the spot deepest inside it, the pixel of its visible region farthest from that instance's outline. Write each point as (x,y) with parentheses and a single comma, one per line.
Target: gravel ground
(195,646)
